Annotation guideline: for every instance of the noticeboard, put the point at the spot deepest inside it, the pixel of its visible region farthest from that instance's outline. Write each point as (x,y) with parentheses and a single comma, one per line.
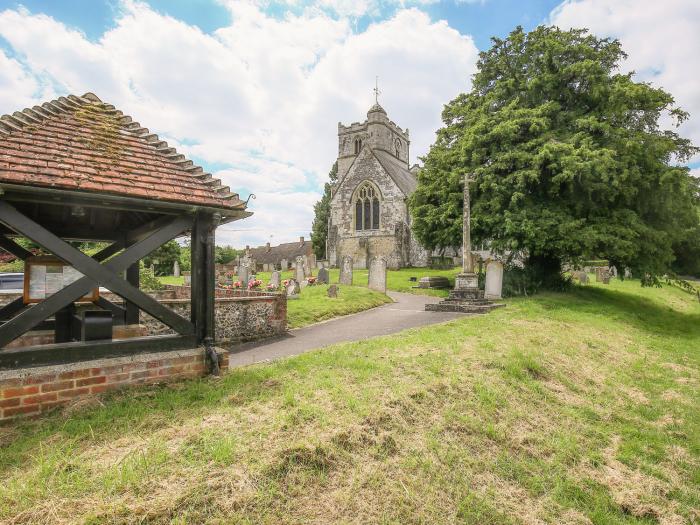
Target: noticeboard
(44,276)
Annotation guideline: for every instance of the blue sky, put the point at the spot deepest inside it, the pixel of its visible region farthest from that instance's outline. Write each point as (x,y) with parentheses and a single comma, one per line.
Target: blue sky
(253,90)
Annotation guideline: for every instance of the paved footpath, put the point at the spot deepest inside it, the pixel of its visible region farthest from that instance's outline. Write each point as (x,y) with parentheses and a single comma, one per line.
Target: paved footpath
(407,312)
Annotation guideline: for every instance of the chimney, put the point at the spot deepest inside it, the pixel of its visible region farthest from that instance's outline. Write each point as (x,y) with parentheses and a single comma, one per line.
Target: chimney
(301,239)
(267,244)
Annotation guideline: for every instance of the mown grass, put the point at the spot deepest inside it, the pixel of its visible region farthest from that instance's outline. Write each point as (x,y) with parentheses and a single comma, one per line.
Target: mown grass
(314,305)
(560,408)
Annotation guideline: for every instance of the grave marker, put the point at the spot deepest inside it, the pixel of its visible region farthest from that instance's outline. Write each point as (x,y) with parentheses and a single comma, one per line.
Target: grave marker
(323,277)
(377,274)
(346,270)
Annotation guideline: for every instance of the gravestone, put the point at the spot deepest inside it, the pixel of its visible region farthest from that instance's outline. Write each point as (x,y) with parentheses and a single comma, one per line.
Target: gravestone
(377,274)
(275,279)
(188,278)
(346,270)
(176,268)
(306,267)
(323,277)
(283,265)
(599,273)
(299,269)
(581,276)
(332,291)
(293,289)
(243,274)
(628,273)
(494,280)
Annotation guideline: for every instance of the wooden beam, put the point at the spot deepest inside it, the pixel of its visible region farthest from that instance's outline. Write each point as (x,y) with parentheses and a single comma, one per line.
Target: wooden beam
(76,351)
(15,249)
(28,319)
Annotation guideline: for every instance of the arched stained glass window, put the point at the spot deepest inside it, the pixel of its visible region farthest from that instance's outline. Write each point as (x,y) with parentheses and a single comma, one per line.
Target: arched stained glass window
(367,213)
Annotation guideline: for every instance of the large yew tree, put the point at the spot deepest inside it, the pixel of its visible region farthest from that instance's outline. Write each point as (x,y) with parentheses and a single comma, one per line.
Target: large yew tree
(567,157)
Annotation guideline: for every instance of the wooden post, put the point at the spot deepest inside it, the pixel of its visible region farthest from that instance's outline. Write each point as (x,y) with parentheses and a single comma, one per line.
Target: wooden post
(203,285)
(132,277)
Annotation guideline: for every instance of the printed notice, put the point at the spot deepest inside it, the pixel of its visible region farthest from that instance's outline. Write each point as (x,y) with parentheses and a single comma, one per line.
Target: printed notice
(54,279)
(37,282)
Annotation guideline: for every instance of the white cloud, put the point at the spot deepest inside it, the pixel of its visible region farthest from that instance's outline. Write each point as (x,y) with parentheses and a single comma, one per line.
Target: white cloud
(662,40)
(262,96)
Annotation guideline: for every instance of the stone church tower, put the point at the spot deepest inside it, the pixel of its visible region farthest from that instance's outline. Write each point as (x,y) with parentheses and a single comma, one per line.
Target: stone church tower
(369,210)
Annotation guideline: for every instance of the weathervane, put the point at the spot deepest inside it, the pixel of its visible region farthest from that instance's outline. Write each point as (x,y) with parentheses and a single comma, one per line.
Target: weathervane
(376,90)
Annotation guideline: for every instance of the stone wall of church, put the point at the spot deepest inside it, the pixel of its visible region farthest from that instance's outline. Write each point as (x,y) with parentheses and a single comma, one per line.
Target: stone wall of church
(363,244)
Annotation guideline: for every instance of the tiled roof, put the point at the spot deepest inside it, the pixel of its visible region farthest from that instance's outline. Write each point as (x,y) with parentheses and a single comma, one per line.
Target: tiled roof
(82,144)
(396,169)
(274,254)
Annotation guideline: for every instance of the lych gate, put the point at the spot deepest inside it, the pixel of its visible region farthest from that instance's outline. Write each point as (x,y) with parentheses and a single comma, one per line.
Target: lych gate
(77,169)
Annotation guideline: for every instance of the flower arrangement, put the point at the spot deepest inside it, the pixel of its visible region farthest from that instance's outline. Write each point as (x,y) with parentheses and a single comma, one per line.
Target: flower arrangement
(237,284)
(285,282)
(311,281)
(271,287)
(254,284)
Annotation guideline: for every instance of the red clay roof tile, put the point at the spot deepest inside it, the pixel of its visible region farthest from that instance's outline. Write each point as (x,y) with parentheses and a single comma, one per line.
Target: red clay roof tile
(81,143)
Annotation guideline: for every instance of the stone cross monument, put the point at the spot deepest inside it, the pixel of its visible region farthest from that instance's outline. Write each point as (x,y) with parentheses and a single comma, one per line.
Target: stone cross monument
(467,279)
(466,296)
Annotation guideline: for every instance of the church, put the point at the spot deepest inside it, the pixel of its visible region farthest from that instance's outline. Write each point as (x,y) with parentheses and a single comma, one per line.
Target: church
(369,204)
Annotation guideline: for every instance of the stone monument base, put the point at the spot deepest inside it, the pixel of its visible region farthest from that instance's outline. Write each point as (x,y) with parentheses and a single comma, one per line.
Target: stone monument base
(465,298)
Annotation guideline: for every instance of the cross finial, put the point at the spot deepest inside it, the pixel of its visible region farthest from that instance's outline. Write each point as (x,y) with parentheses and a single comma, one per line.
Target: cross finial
(376,90)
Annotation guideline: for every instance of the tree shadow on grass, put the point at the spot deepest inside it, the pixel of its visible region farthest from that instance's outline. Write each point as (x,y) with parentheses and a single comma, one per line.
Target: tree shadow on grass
(640,312)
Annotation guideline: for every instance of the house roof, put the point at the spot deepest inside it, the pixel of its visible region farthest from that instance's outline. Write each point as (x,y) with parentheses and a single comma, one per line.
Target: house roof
(82,144)
(274,254)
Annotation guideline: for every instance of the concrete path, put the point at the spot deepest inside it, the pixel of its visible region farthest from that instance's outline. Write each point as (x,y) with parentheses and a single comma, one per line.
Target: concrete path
(407,312)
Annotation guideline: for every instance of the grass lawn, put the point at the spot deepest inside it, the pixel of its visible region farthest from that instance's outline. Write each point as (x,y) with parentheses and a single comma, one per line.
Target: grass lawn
(561,408)
(314,305)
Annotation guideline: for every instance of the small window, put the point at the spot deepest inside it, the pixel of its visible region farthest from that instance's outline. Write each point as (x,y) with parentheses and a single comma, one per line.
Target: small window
(397,145)
(367,213)
(358,146)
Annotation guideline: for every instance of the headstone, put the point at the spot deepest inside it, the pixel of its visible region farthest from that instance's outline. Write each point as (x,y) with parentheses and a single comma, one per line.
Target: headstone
(599,273)
(346,270)
(582,277)
(323,277)
(293,289)
(606,276)
(333,291)
(628,273)
(275,279)
(377,274)
(176,268)
(494,280)
(243,274)
(188,278)
(299,269)
(283,265)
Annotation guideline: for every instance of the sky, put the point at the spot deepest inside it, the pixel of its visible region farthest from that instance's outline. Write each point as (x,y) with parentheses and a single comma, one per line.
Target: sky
(253,90)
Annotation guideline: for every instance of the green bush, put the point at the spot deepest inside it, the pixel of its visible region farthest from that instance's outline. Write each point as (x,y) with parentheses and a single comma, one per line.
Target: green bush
(148,281)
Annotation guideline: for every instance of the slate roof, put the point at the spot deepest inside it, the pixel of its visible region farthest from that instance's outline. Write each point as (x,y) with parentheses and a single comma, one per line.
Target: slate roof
(404,179)
(82,144)
(274,254)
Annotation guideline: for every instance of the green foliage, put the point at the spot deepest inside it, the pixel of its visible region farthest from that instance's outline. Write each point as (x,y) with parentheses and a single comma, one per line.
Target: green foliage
(226,254)
(567,159)
(185,258)
(322,209)
(164,257)
(148,281)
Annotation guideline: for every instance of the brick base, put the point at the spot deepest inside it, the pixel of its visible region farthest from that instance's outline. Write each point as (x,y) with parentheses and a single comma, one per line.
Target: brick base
(31,391)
